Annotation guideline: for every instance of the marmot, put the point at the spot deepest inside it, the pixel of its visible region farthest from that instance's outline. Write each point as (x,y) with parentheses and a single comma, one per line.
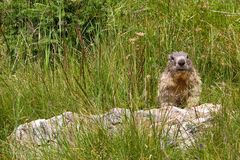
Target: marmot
(180,84)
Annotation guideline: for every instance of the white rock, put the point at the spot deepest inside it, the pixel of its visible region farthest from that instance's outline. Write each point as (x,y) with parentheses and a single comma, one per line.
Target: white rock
(180,125)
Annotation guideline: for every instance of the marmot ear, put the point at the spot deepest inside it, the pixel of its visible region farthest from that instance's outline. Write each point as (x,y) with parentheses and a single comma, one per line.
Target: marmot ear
(170,57)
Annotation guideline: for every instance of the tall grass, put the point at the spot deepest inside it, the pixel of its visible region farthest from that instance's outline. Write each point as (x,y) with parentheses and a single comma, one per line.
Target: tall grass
(48,71)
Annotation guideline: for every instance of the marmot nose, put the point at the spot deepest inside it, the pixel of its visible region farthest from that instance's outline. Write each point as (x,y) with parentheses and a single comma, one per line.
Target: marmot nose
(181,62)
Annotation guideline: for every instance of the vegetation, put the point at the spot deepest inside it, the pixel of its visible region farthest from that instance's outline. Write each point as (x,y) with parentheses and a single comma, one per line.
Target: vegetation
(91,55)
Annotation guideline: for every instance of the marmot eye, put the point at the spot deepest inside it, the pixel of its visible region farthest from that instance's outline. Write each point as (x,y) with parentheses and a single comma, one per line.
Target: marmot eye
(172,58)
(187,57)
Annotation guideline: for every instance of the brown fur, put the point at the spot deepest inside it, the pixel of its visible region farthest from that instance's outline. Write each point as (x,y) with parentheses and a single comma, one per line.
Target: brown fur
(179,85)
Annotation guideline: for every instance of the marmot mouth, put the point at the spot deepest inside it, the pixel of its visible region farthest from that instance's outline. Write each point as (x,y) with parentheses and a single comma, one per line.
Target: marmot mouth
(181,69)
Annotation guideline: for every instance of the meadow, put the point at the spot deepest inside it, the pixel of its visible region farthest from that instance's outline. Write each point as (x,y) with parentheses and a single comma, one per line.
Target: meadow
(91,56)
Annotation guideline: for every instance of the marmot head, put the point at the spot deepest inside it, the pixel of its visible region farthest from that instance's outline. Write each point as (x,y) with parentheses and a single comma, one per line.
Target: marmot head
(179,64)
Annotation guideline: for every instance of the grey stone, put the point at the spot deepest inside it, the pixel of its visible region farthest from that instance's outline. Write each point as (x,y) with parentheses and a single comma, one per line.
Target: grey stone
(180,126)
